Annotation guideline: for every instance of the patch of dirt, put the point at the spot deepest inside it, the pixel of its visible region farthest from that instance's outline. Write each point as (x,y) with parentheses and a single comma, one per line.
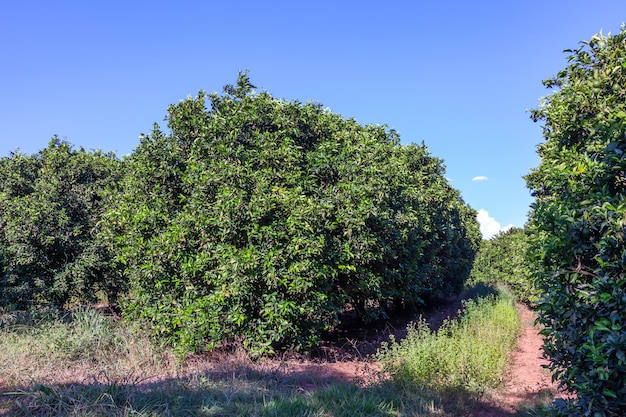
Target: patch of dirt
(527,376)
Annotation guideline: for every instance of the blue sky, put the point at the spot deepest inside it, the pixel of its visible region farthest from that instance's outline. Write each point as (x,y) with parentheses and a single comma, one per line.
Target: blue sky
(457,75)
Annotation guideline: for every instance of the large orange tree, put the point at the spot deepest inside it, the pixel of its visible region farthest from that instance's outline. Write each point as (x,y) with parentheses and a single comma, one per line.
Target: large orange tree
(578,221)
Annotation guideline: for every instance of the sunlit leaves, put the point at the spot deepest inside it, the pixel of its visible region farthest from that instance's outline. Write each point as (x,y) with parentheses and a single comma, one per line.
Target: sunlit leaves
(262,220)
(51,207)
(503,259)
(578,222)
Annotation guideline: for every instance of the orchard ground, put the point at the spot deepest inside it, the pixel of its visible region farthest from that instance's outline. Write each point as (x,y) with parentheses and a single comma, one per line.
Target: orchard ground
(343,360)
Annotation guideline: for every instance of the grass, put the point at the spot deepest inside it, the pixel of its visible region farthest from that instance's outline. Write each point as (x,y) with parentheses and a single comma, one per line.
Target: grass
(88,364)
(82,345)
(214,398)
(467,355)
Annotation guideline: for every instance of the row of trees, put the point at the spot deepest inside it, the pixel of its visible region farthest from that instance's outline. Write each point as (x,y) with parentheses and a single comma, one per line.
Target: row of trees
(250,218)
(578,226)
(504,260)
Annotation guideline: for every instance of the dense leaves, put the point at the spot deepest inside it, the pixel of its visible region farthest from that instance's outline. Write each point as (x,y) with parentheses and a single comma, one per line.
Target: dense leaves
(503,259)
(50,206)
(249,219)
(263,220)
(578,222)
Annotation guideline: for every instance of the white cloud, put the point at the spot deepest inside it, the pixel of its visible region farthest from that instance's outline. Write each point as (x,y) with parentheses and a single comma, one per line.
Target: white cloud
(489,227)
(480,178)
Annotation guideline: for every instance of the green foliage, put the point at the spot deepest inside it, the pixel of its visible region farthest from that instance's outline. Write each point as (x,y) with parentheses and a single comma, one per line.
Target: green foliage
(51,203)
(260,219)
(577,223)
(504,259)
(467,355)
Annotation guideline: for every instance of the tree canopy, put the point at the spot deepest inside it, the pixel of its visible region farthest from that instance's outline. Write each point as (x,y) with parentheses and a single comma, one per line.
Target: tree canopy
(578,224)
(261,219)
(504,259)
(51,204)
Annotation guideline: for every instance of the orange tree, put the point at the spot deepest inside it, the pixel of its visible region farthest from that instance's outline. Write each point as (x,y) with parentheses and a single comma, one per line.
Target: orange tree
(262,220)
(578,222)
(51,204)
(504,259)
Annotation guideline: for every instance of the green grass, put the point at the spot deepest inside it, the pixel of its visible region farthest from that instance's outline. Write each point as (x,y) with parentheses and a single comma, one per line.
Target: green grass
(215,398)
(467,355)
(88,364)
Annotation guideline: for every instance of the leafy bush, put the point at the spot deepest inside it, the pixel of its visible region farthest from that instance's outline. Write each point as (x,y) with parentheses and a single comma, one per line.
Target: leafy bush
(504,259)
(51,203)
(577,222)
(263,220)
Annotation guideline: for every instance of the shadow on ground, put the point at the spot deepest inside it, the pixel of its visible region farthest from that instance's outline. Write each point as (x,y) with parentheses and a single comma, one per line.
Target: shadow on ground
(244,392)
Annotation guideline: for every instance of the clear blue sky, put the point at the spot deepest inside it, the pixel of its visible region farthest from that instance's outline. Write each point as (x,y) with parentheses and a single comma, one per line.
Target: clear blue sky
(457,75)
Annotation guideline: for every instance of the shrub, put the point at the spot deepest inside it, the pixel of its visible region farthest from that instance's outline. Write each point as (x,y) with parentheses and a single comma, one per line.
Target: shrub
(51,204)
(577,223)
(263,220)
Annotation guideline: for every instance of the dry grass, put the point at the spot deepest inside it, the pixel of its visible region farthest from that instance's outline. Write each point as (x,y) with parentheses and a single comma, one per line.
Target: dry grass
(84,346)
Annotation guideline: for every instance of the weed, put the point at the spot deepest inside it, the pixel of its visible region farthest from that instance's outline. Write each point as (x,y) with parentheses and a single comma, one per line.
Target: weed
(465,356)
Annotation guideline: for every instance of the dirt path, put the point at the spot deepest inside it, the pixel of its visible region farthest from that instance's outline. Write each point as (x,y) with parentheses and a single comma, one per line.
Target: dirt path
(527,381)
